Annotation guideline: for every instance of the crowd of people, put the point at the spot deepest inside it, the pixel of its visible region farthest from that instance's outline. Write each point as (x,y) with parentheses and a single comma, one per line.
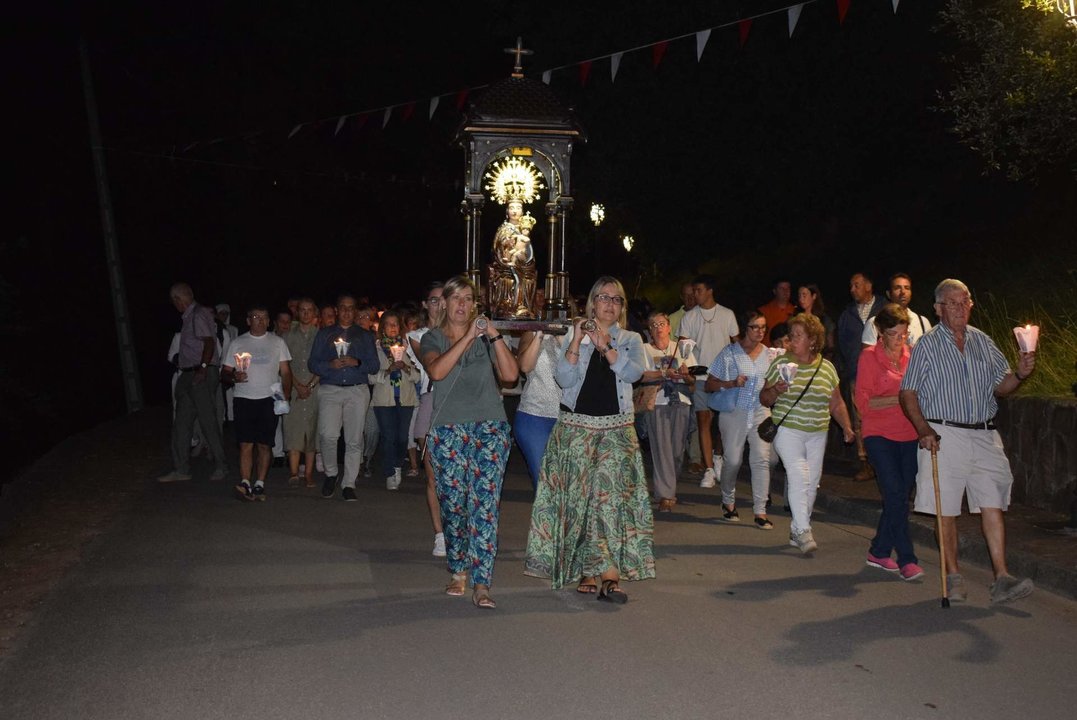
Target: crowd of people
(426,386)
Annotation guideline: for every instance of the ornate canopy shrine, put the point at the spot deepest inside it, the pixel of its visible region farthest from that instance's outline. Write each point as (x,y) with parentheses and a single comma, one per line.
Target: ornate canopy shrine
(520,125)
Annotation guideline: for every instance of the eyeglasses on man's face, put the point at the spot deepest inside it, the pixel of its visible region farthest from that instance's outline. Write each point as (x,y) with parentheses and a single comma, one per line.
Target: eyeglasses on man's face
(659,324)
(958,304)
(760,328)
(615,299)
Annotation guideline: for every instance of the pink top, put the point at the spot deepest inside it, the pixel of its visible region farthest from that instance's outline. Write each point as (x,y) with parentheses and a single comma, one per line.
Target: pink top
(875,377)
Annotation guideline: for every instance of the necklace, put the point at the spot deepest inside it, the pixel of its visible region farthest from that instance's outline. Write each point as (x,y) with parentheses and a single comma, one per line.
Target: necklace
(713,314)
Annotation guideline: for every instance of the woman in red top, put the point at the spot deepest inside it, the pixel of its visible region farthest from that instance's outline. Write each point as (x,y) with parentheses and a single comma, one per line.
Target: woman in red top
(890,440)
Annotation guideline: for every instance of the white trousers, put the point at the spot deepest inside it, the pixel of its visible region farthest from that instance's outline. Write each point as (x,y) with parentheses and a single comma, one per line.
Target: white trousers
(342,407)
(736,430)
(802,454)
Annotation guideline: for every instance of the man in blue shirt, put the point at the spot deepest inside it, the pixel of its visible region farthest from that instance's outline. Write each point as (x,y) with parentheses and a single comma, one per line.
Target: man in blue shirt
(343,356)
(865,305)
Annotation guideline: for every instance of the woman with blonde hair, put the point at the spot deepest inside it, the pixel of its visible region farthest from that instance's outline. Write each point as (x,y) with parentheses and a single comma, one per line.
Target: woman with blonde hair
(591,518)
(802,392)
(469,439)
(394,398)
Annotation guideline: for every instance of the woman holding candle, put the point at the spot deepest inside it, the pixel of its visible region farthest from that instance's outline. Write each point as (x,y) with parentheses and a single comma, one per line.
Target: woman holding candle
(667,423)
(592,516)
(469,438)
(802,403)
(394,397)
(890,439)
(540,401)
(741,368)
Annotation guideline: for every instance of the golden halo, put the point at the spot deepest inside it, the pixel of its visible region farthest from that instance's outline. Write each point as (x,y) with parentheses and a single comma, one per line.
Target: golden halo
(514,179)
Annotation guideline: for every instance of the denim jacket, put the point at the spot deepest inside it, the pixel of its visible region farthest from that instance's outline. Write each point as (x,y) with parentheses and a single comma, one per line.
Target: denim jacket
(629,367)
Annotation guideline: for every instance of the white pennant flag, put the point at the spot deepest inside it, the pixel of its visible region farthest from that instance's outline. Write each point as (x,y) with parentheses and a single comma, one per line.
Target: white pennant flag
(546,77)
(434,105)
(340,124)
(295,130)
(385,118)
(701,42)
(895,4)
(794,17)
(615,63)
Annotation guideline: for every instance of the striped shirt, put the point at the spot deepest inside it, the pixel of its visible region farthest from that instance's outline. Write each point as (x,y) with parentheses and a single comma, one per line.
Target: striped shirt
(733,362)
(954,385)
(812,413)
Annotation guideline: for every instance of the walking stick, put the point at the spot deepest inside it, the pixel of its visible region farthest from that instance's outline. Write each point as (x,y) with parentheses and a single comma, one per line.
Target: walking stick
(938,525)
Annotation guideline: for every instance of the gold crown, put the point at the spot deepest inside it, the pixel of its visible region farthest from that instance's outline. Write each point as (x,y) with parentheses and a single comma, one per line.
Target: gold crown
(512,179)
(528,221)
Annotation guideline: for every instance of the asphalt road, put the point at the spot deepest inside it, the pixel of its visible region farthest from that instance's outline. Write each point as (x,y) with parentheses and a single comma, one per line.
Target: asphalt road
(197,605)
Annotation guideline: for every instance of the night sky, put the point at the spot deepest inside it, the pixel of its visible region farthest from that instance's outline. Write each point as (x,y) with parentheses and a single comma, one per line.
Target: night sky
(808,157)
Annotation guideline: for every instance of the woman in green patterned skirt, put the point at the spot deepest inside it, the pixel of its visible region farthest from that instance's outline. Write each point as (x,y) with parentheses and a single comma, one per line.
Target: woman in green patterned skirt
(592,516)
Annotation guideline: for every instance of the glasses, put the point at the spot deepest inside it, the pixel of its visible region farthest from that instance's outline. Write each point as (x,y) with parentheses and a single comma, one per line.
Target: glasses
(761,328)
(958,304)
(258,318)
(895,333)
(435,300)
(659,323)
(615,299)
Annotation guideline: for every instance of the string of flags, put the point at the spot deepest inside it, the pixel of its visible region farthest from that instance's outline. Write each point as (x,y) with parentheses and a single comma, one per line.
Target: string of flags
(406,110)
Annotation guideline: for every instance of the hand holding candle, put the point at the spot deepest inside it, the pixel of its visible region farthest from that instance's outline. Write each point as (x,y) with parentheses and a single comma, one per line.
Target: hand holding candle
(243,361)
(1027,337)
(397,352)
(342,346)
(788,371)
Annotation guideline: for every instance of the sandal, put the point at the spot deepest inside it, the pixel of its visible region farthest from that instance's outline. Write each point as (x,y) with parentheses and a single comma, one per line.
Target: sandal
(611,592)
(729,513)
(458,586)
(293,481)
(413,472)
(587,586)
(482,600)
(666,504)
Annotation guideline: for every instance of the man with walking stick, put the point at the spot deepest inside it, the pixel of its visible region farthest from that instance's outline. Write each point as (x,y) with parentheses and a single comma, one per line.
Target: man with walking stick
(949,393)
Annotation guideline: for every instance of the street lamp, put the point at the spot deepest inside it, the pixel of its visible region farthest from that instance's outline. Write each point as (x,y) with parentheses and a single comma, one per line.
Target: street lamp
(628,241)
(1068,8)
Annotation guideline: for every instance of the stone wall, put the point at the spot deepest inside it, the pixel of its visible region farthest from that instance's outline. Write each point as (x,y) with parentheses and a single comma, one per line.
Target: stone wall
(1040,436)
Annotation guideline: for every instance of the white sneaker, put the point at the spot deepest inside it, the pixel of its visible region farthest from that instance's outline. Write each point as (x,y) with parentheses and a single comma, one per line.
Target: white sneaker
(393,481)
(803,541)
(708,480)
(318,463)
(439,545)
(716,463)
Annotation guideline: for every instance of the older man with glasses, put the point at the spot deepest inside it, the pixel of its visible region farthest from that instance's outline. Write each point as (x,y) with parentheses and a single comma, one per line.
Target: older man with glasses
(949,393)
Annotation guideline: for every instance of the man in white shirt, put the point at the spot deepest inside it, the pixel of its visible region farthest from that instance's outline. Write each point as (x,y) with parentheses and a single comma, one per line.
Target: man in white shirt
(900,292)
(711,327)
(256,423)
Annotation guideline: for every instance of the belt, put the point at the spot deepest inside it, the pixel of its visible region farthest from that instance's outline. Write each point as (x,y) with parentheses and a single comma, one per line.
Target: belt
(343,384)
(196,367)
(985,425)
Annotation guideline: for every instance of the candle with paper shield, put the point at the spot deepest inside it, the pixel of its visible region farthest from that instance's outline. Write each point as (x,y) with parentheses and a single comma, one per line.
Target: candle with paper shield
(342,346)
(773,352)
(1027,337)
(788,371)
(687,345)
(397,351)
(243,361)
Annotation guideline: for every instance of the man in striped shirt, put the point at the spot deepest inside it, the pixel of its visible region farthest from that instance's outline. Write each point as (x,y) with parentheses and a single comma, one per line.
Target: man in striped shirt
(949,393)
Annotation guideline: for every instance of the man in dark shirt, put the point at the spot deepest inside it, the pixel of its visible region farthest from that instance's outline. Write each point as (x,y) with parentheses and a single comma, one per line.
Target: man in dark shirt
(865,305)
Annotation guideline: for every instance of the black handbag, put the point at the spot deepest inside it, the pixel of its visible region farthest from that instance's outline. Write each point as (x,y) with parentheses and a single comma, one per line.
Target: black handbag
(768,429)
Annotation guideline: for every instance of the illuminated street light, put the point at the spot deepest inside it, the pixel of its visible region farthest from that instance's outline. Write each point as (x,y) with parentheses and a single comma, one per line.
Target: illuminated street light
(598,214)
(628,241)
(1068,8)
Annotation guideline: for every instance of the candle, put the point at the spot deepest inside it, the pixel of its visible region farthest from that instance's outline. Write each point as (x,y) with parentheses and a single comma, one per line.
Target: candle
(397,352)
(773,352)
(788,371)
(243,361)
(687,345)
(1027,337)
(342,346)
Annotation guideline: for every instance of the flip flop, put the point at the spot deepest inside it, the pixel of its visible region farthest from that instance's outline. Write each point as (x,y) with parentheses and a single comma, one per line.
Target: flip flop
(611,592)
(587,588)
(482,600)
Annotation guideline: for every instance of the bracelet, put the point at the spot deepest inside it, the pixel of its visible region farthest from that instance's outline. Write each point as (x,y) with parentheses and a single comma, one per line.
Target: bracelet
(497,337)
(572,353)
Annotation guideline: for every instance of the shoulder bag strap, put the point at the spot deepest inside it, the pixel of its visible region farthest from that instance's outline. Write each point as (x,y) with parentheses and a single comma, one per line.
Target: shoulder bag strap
(819,365)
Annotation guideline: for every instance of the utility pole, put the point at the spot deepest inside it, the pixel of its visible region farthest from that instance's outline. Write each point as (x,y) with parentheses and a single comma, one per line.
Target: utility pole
(132,383)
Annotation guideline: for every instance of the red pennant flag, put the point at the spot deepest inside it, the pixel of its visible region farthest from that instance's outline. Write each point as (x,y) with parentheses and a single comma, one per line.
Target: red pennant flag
(843,7)
(405,114)
(658,51)
(585,70)
(744,27)
(461,98)
(359,122)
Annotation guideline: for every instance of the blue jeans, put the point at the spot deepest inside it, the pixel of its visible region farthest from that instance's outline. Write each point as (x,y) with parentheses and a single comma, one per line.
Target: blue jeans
(531,433)
(393,425)
(895,472)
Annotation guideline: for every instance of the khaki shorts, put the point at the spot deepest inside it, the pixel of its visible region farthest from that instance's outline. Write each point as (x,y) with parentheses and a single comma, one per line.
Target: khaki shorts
(971,463)
(699,396)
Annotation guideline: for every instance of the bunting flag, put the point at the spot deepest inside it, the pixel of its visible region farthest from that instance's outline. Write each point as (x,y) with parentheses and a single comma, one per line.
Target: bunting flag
(296,129)
(585,71)
(743,28)
(461,98)
(546,76)
(658,51)
(895,4)
(794,17)
(433,106)
(340,124)
(406,113)
(385,118)
(615,63)
(360,121)
(701,42)
(843,7)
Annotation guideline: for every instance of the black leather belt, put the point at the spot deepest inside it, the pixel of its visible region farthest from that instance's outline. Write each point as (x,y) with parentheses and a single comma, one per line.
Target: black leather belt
(985,425)
(344,384)
(196,367)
